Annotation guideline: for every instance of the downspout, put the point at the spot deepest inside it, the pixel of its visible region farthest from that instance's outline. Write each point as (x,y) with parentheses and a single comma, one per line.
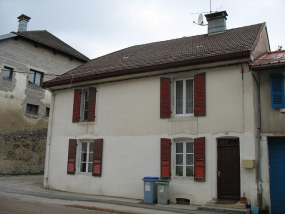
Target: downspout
(49,134)
(258,114)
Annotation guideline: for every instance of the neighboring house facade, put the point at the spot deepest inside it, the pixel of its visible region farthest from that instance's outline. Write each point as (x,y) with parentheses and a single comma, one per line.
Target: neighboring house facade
(269,70)
(27,58)
(180,109)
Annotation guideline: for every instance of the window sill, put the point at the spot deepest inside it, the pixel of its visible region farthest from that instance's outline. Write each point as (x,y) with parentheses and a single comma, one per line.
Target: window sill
(35,116)
(7,79)
(34,86)
(182,118)
(85,123)
(85,173)
(282,110)
(179,178)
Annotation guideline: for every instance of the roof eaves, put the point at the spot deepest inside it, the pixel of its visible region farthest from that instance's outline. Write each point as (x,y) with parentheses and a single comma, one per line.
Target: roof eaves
(54,47)
(266,66)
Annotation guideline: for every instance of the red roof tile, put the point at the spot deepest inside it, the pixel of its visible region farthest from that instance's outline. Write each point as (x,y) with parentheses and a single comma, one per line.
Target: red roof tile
(184,49)
(269,59)
(46,38)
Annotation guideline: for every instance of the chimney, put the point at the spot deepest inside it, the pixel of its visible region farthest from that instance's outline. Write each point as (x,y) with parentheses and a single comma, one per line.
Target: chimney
(23,22)
(216,22)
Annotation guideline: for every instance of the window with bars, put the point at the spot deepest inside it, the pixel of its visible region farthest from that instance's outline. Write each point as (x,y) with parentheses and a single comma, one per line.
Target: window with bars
(184,159)
(86,159)
(183,97)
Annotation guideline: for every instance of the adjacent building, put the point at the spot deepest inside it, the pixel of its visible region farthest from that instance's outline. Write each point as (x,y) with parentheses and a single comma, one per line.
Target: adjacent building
(182,109)
(27,58)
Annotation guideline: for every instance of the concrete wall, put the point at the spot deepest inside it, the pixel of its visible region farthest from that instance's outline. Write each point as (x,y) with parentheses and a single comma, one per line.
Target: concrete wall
(127,118)
(22,135)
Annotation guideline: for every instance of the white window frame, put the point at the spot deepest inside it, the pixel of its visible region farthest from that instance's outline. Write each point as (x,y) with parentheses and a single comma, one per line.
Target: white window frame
(184,97)
(87,157)
(184,158)
(82,107)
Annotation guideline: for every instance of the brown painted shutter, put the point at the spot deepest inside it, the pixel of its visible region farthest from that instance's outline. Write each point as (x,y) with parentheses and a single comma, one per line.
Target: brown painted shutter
(199,159)
(76,106)
(71,156)
(200,94)
(165,156)
(91,104)
(97,157)
(165,98)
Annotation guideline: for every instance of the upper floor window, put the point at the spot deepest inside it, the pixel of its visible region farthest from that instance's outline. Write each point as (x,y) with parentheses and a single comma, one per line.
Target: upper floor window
(85,99)
(7,73)
(277,91)
(35,77)
(183,97)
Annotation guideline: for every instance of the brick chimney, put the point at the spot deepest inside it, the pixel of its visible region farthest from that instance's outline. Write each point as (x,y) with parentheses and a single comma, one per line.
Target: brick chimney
(23,22)
(216,22)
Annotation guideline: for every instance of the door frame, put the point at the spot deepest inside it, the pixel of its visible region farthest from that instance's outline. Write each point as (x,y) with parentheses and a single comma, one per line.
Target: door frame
(239,171)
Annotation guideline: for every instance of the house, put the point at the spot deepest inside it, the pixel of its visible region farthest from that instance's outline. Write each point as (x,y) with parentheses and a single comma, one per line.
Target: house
(181,109)
(27,58)
(269,72)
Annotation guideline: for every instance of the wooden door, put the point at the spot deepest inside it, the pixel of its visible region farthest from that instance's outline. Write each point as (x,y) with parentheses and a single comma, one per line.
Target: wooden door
(228,169)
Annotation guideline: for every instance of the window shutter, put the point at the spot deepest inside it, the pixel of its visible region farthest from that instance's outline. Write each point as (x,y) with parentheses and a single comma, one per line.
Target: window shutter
(199,159)
(91,104)
(76,106)
(165,156)
(277,90)
(200,94)
(97,157)
(71,156)
(165,98)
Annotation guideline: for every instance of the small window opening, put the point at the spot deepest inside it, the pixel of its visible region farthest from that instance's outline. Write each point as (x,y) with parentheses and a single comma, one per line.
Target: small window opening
(182,201)
(47,111)
(32,109)
(7,73)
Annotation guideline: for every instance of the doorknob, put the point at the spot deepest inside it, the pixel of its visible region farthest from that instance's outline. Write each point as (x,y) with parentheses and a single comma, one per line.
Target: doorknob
(219,173)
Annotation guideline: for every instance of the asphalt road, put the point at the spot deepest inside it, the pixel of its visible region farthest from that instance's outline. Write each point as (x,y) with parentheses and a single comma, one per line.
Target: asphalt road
(15,206)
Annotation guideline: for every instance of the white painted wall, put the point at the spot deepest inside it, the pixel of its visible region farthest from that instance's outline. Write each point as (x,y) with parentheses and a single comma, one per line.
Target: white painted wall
(128,119)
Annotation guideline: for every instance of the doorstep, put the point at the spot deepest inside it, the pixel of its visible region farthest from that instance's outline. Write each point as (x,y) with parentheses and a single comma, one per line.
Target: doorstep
(232,208)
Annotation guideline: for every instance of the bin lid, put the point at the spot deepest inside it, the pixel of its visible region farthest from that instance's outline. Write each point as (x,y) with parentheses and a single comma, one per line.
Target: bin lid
(151,178)
(163,181)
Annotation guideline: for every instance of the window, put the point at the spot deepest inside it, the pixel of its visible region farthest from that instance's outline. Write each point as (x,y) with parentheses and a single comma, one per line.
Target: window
(35,77)
(184,165)
(32,109)
(277,91)
(84,104)
(7,73)
(183,97)
(47,111)
(86,159)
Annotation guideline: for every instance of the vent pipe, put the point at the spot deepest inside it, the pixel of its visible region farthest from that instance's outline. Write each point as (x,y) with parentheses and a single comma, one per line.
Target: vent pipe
(216,22)
(23,22)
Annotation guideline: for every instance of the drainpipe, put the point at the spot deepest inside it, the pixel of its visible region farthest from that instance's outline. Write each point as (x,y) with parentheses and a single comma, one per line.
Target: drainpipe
(259,187)
(49,134)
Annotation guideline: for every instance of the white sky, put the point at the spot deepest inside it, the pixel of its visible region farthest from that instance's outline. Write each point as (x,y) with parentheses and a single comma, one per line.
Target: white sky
(98,27)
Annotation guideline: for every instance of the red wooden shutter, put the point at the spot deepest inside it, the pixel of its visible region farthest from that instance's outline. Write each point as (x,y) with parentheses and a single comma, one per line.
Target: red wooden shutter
(200,94)
(165,156)
(76,106)
(71,156)
(97,157)
(199,159)
(91,104)
(165,98)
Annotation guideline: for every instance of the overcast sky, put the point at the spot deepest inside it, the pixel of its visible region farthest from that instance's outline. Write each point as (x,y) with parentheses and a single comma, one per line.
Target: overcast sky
(98,27)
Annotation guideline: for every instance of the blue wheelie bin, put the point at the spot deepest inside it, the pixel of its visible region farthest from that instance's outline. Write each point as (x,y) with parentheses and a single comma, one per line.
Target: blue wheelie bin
(150,190)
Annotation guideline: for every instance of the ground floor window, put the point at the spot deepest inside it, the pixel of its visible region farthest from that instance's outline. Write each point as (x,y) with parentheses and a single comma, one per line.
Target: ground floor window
(32,109)
(86,159)
(184,165)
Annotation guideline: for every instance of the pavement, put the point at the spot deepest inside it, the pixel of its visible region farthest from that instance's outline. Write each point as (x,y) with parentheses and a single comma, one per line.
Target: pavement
(30,188)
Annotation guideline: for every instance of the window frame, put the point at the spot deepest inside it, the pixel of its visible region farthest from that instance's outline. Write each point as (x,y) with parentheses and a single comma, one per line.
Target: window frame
(10,74)
(184,164)
(34,79)
(87,156)
(84,102)
(30,112)
(184,97)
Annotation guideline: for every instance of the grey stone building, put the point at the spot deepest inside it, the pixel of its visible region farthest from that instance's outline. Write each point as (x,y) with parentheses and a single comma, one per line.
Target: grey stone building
(27,58)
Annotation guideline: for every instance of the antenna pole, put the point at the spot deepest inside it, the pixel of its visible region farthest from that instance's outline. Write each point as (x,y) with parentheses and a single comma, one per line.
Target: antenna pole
(210,7)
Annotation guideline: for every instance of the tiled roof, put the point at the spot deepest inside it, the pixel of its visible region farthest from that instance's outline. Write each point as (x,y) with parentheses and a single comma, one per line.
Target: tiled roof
(46,38)
(269,59)
(166,52)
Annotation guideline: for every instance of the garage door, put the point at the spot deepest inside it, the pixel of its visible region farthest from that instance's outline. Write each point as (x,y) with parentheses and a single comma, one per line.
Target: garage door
(276,147)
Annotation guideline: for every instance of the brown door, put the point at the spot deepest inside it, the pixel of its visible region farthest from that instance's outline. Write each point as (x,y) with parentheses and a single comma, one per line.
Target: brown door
(228,169)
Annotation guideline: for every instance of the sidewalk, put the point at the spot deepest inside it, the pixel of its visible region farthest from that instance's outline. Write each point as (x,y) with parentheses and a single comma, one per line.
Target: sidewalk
(29,188)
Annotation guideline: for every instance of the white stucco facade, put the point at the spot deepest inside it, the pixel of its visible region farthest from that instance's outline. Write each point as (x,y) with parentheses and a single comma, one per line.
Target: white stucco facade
(127,119)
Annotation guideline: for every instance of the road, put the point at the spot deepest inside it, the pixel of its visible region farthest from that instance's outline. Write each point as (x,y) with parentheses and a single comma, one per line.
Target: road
(16,206)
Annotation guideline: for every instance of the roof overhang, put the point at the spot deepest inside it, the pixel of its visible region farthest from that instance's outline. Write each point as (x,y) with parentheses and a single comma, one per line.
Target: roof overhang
(203,63)
(267,66)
